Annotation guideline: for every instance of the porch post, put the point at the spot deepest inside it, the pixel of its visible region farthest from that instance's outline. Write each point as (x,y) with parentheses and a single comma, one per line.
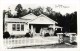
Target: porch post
(32,29)
(54,28)
(61,29)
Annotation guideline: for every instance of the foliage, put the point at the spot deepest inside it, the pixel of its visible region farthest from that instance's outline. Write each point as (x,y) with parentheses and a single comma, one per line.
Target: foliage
(19,10)
(27,35)
(38,11)
(6,35)
(9,14)
(47,34)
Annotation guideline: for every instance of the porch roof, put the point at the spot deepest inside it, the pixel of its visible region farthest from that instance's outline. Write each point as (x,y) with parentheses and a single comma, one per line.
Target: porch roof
(58,27)
(55,27)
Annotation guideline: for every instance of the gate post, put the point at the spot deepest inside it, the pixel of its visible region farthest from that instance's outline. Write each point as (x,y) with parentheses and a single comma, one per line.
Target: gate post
(72,37)
(32,30)
(60,37)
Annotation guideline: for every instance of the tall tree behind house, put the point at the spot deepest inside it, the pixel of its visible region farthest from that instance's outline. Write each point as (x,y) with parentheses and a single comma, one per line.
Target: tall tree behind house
(67,23)
(70,22)
(19,10)
(24,12)
(38,11)
(73,22)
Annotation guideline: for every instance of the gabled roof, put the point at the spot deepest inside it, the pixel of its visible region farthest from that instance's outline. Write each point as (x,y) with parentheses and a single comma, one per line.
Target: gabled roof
(42,19)
(32,19)
(26,18)
(42,15)
(30,16)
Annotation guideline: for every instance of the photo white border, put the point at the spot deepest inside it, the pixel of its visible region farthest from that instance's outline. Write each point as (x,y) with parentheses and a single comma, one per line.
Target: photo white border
(75,2)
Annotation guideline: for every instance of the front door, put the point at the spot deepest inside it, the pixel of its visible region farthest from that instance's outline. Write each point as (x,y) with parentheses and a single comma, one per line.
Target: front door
(38,29)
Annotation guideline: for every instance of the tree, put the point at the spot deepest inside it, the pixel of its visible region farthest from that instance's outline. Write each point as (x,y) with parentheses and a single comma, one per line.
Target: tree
(49,10)
(67,23)
(73,22)
(30,10)
(9,14)
(70,22)
(38,11)
(19,10)
(24,12)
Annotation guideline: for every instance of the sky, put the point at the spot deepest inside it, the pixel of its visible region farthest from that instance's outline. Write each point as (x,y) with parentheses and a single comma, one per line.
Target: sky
(62,6)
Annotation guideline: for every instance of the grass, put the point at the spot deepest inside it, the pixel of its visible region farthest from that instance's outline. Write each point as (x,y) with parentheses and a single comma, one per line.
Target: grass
(49,46)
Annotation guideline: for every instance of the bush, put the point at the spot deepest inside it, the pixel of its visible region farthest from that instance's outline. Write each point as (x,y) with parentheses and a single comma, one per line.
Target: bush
(6,35)
(27,35)
(74,43)
(12,36)
(47,34)
(64,35)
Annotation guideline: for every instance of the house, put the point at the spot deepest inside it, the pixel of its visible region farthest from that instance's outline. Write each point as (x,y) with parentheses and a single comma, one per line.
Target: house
(36,25)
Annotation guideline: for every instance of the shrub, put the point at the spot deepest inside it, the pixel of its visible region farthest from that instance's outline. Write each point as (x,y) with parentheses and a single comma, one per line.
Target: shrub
(64,35)
(6,35)
(47,34)
(27,35)
(12,36)
(74,43)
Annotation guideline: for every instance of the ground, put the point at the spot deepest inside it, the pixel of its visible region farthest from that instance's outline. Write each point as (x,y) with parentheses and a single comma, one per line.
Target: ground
(50,46)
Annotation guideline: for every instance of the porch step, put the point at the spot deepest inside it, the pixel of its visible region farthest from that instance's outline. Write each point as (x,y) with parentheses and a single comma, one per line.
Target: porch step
(37,34)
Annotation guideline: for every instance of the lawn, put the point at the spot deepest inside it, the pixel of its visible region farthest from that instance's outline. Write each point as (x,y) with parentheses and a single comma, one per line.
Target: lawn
(50,46)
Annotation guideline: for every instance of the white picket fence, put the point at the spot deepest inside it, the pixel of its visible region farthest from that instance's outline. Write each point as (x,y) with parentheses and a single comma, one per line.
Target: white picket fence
(17,42)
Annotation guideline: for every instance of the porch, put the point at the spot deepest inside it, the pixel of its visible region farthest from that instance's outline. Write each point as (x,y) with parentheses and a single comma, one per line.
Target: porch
(41,29)
(44,29)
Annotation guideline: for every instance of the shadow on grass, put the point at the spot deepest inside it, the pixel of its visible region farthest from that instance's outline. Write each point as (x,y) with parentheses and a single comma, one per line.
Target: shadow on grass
(48,46)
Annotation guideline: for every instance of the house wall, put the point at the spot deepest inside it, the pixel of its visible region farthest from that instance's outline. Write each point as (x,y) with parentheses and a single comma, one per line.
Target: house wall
(9,29)
(26,29)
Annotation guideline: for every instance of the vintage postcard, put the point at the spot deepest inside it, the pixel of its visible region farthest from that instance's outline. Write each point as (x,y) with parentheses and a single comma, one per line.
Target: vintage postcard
(43,24)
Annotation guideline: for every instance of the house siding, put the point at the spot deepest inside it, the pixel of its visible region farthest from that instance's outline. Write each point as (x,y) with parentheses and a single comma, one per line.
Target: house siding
(9,29)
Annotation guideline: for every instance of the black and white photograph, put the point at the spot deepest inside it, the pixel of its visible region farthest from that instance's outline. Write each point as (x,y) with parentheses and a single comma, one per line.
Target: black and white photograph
(36,25)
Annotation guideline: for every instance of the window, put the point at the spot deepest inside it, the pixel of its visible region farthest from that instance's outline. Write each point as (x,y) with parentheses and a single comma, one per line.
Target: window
(22,27)
(14,27)
(18,27)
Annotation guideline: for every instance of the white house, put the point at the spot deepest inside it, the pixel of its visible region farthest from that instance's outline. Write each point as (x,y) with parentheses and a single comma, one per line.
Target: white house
(37,25)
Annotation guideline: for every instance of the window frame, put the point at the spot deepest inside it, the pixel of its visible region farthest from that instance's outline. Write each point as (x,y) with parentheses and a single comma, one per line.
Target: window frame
(22,27)
(18,27)
(14,27)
